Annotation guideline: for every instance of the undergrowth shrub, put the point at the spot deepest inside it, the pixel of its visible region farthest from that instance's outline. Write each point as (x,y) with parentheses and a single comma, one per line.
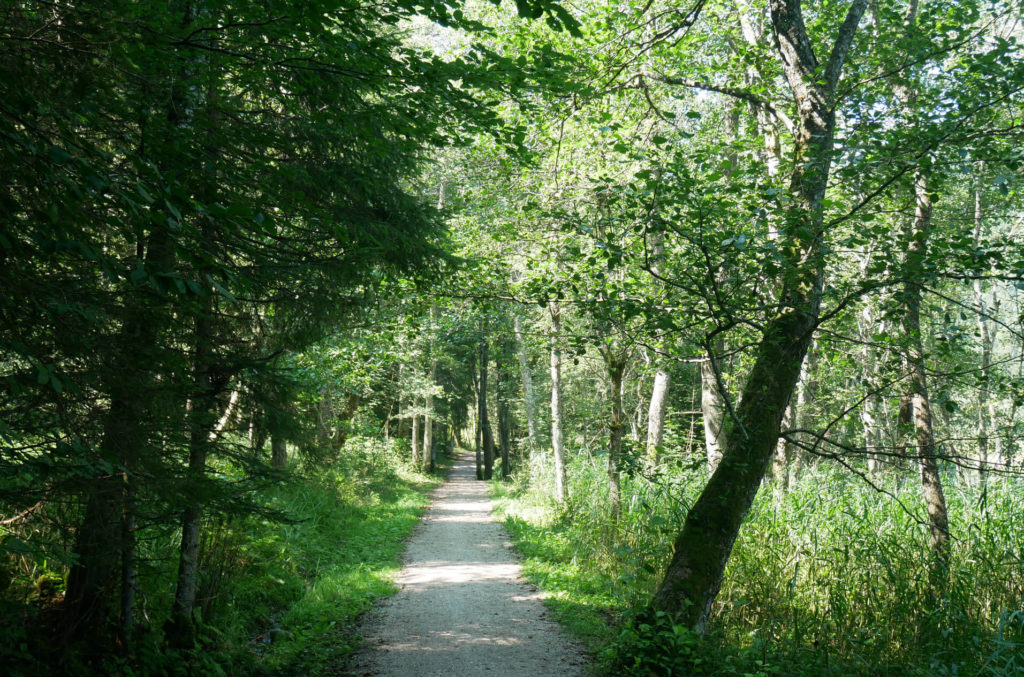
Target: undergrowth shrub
(832,580)
(282,582)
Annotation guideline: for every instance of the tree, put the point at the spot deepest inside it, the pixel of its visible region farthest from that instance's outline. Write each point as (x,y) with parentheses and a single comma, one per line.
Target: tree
(223,167)
(703,545)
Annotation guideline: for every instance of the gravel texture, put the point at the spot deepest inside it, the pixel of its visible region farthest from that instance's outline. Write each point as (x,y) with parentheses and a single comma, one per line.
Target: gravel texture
(463,608)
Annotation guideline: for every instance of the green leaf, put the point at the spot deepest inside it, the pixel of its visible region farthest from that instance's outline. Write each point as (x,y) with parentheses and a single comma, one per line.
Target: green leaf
(59,155)
(220,289)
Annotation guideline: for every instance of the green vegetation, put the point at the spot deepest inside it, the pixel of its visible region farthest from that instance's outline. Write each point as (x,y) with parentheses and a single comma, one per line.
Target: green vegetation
(281,593)
(829,582)
(730,262)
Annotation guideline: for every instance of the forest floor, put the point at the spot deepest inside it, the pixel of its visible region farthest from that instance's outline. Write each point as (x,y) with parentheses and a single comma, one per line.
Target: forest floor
(463,608)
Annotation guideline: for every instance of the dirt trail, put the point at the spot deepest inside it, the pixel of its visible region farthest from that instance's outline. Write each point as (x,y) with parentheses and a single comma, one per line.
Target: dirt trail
(463,609)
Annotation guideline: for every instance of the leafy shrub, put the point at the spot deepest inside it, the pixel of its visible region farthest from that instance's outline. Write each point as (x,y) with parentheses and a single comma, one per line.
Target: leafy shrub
(654,644)
(830,580)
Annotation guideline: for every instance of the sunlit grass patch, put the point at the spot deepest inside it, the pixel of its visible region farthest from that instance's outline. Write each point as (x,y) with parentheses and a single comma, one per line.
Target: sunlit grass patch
(299,587)
(832,580)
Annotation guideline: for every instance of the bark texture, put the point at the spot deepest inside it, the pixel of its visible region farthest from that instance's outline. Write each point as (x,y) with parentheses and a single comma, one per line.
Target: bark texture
(705,542)
(556,403)
(712,406)
(931,480)
(278,452)
(486,433)
(529,395)
(656,412)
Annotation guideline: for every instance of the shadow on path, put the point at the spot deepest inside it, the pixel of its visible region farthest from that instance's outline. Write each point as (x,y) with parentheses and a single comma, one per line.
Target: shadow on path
(463,609)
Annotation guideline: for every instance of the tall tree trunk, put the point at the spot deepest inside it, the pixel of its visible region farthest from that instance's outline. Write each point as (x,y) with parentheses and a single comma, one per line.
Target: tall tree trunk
(931,480)
(529,396)
(477,431)
(556,402)
(428,422)
(504,415)
(278,452)
(202,417)
(103,536)
(616,366)
(415,437)
(986,414)
(202,422)
(914,270)
(428,428)
(662,379)
(705,542)
(712,406)
(487,435)
(656,412)
(871,411)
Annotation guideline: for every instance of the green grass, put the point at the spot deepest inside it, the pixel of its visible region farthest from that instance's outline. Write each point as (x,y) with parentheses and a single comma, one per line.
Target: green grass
(275,596)
(296,590)
(832,581)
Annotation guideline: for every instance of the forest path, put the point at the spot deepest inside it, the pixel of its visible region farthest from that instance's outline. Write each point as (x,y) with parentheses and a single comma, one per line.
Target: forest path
(463,609)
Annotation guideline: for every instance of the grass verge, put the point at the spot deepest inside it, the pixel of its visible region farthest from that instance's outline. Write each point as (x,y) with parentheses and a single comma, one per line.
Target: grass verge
(831,579)
(579,598)
(297,590)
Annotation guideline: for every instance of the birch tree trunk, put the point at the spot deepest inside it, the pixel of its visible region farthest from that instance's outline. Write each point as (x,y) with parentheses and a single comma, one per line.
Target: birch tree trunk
(712,406)
(986,413)
(871,411)
(662,379)
(705,542)
(786,450)
(656,412)
(931,480)
(415,437)
(529,396)
(556,402)
(783,454)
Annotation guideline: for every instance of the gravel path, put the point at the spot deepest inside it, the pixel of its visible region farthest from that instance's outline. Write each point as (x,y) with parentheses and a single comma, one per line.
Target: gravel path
(463,609)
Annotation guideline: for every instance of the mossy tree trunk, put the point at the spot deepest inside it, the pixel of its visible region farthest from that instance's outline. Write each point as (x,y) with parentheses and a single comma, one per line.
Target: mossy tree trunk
(703,546)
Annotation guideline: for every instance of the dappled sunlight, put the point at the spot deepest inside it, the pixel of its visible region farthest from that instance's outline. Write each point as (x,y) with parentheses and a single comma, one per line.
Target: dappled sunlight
(463,607)
(466,572)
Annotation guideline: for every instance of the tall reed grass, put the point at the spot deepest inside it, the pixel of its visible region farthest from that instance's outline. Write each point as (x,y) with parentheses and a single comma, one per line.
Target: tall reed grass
(832,579)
